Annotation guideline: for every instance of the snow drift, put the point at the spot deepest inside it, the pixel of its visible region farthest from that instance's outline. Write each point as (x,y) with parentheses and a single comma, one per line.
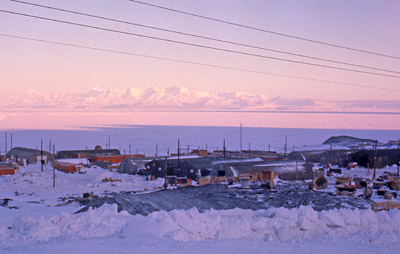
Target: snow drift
(274,224)
(279,224)
(97,223)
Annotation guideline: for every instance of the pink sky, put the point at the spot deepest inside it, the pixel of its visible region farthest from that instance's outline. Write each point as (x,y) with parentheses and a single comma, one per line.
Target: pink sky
(370,25)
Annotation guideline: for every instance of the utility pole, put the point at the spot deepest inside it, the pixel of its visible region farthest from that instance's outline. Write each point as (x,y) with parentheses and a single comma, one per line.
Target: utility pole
(241,136)
(224,150)
(285,148)
(11,145)
(398,156)
(188,149)
(156,151)
(6,144)
(41,153)
(50,146)
(249,146)
(54,170)
(109,142)
(165,173)
(375,157)
(179,148)
(130,150)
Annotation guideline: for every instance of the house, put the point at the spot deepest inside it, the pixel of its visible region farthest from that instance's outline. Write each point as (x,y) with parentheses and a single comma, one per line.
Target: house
(30,155)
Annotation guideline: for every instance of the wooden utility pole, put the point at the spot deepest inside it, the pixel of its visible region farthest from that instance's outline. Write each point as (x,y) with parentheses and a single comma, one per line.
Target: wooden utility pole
(11,145)
(375,157)
(224,150)
(165,173)
(398,156)
(241,137)
(179,150)
(41,153)
(285,147)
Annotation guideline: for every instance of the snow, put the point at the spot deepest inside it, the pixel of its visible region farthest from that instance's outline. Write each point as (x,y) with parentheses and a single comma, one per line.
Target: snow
(44,223)
(272,225)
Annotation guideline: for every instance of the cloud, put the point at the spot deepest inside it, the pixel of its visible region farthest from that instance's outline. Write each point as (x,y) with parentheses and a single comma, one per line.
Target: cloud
(181,98)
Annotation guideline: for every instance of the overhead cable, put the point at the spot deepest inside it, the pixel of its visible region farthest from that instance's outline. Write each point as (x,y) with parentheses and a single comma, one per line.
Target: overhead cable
(205,37)
(266,31)
(197,63)
(197,45)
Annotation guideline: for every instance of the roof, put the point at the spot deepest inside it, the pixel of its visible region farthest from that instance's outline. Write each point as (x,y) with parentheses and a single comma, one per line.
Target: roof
(65,153)
(23,150)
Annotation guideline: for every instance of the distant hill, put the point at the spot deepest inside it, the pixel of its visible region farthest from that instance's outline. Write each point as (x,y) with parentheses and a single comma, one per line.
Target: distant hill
(347,140)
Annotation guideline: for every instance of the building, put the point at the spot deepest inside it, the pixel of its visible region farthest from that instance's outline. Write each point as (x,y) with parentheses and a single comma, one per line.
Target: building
(86,153)
(287,169)
(30,155)
(384,157)
(184,167)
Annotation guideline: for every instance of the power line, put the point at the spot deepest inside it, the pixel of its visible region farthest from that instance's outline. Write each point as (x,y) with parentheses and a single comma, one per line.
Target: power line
(197,45)
(205,37)
(265,31)
(197,63)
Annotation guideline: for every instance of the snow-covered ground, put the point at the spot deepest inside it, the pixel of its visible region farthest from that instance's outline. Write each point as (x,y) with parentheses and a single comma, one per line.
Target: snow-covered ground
(43,223)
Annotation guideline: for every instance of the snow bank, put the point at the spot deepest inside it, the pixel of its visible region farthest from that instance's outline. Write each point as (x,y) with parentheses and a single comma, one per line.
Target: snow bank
(97,223)
(278,224)
(273,225)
